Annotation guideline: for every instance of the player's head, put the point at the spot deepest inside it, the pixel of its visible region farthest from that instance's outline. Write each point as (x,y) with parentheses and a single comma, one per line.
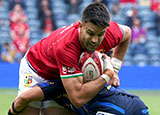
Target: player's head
(95,20)
(96,13)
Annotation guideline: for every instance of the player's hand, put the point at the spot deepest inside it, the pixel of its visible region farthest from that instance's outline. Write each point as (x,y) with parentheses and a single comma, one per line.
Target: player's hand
(107,62)
(114,80)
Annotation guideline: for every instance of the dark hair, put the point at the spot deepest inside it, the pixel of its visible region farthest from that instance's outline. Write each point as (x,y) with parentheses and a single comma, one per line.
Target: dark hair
(96,13)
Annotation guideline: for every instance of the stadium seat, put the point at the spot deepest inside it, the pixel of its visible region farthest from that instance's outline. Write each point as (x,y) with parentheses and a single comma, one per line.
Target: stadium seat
(61,23)
(59,4)
(30,3)
(5,28)
(4,15)
(34,22)
(148,25)
(127,61)
(59,11)
(60,16)
(31,9)
(71,18)
(35,35)
(126,7)
(141,60)
(118,18)
(32,15)
(3,9)
(34,28)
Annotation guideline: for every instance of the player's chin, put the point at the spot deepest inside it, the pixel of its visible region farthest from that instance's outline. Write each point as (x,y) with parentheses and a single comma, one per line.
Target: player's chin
(91,49)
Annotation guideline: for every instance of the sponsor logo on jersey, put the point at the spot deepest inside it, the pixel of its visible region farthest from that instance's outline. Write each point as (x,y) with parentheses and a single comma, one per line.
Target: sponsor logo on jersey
(28,80)
(103,113)
(66,69)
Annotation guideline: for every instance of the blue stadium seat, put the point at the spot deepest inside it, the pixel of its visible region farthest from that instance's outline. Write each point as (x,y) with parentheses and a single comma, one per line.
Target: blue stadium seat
(127,7)
(153,51)
(151,36)
(148,24)
(57,1)
(127,61)
(33,41)
(60,16)
(31,9)
(154,60)
(59,11)
(34,28)
(118,19)
(140,60)
(6,4)
(5,28)
(87,1)
(61,23)
(143,7)
(34,22)
(59,4)
(4,15)
(4,34)
(71,18)
(31,15)
(30,3)
(35,35)
(3,9)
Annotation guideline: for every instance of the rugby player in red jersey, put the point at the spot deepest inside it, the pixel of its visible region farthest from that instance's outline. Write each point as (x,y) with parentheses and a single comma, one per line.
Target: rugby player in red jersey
(54,60)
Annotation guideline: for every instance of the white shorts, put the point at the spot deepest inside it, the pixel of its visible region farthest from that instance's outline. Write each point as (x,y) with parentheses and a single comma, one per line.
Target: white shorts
(27,79)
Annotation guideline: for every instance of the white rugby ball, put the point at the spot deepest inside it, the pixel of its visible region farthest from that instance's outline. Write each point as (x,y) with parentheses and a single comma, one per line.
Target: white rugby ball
(91,64)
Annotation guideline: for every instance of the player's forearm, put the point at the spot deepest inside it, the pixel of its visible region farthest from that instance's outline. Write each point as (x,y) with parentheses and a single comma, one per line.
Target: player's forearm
(120,51)
(87,91)
(81,93)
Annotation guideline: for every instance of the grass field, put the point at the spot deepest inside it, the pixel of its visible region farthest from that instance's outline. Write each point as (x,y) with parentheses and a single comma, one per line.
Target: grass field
(151,98)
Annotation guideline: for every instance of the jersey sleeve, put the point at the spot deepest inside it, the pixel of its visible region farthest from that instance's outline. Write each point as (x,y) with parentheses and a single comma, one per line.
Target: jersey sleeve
(67,57)
(113,37)
(68,65)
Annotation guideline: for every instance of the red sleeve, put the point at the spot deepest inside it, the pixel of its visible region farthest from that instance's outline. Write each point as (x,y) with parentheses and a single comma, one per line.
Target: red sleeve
(68,64)
(112,38)
(68,54)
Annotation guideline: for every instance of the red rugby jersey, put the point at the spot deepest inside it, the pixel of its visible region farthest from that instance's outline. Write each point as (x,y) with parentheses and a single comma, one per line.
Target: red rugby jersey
(58,54)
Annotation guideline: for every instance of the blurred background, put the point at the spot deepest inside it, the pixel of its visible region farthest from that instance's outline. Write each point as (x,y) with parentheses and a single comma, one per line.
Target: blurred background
(25,22)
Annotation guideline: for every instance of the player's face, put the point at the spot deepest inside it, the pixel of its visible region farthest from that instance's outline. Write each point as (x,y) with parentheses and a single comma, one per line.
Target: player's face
(91,36)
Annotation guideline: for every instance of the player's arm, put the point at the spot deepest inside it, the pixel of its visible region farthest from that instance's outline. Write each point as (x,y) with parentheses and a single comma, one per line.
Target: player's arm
(119,53)
(120,50)
(80,93)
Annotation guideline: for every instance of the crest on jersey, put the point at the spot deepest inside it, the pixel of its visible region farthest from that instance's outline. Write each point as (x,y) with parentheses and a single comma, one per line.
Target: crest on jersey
(28,80)
(66,69)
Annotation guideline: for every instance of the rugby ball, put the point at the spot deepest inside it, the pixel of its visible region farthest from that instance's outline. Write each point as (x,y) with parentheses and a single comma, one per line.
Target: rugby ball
(91,64)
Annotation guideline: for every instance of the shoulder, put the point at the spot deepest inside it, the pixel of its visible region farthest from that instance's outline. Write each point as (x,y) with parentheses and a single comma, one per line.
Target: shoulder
(126,31)
(114,28)
(114,32)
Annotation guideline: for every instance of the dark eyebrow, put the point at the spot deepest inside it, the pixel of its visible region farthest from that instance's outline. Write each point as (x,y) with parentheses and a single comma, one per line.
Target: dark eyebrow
(103,32)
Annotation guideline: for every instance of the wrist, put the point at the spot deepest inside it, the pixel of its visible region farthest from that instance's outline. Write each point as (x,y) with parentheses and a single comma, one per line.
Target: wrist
(105,77)
(107,64)
(116,64)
